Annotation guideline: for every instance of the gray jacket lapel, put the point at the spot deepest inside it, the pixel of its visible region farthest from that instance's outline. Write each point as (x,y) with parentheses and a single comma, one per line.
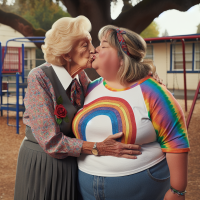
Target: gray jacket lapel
(66,128)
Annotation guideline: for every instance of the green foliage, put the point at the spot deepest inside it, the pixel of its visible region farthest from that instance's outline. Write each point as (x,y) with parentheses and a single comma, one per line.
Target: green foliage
(40,13)
(44,14)
(151,31)
(59,121)
(59,100)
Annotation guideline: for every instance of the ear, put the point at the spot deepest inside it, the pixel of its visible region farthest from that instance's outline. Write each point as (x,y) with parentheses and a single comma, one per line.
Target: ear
(66,57)
(121,62)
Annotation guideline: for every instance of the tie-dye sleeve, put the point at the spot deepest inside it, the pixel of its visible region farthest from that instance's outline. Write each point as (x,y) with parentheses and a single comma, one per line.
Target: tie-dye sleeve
(167,117)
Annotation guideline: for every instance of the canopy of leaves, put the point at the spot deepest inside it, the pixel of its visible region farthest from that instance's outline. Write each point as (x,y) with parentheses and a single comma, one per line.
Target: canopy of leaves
(151,31)
(40,13)
(43,15)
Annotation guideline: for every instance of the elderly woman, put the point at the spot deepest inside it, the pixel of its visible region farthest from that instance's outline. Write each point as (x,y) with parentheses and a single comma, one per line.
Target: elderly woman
(47,165)
(125,99)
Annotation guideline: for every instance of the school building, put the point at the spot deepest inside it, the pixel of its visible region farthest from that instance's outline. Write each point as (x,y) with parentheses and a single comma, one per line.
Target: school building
(167,54)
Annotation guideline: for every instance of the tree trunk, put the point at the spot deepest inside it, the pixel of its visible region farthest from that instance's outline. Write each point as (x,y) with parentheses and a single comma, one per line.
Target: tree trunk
(21,25)
(135,18)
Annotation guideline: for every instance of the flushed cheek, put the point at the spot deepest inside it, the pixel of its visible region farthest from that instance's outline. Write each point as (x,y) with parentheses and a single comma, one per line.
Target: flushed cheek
(109,61)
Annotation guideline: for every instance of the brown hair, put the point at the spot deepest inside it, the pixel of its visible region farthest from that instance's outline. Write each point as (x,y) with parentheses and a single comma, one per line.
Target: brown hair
(134,66)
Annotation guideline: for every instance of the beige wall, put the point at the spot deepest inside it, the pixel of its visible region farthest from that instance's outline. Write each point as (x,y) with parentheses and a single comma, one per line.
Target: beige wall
(161,56)
(7,33)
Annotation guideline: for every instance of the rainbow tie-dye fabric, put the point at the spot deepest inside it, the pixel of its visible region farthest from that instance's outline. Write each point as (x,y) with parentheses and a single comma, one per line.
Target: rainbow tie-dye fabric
(167,117)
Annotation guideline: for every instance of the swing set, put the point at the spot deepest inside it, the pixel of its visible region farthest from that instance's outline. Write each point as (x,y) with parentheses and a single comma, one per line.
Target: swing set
(173,40)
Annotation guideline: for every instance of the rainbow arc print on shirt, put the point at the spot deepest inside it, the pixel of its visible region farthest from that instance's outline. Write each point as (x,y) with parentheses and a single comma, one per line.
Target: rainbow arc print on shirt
(118,110)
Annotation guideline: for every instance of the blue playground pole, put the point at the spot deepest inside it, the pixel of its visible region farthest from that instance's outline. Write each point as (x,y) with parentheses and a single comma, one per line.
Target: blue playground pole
(23,93)
(1,94)
(22,63)
(0,60)
(17,102)
(18,108)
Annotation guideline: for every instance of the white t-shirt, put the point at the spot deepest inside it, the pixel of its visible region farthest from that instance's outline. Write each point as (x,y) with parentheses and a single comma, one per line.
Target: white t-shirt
(108,111)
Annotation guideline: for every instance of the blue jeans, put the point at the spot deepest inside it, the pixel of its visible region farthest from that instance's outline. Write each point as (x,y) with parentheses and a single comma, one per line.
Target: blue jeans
(150,184)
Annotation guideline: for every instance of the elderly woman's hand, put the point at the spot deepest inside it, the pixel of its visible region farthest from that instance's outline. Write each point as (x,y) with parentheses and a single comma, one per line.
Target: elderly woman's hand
(110,147)
(156,77)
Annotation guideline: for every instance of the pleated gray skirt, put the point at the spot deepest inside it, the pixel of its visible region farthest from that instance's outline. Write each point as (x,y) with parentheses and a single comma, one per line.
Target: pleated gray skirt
(41,177)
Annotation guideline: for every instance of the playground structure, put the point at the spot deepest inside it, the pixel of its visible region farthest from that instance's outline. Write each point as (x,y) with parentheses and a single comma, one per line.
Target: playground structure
(15,69)
(18,73)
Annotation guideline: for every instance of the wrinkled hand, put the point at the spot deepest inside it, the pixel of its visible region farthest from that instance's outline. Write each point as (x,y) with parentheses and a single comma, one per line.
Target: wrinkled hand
(110,147)
(171,196)
(156,77)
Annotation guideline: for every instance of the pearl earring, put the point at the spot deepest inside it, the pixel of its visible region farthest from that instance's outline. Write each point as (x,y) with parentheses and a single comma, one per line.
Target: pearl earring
(70,60)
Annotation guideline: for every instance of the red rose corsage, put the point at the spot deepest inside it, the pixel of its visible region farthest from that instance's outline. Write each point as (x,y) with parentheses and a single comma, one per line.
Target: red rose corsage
(60,111)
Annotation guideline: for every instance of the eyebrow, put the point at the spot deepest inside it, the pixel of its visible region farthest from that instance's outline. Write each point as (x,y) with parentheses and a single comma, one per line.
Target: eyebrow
(83,42)
(104,41)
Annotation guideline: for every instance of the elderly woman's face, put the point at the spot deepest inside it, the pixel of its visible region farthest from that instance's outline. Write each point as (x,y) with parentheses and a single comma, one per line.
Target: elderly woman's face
(107,61)
(81,51)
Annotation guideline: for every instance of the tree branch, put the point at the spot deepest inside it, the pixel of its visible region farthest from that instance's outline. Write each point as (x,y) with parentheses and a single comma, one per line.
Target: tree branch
(21,25)
(72,7)
(97,11)
(140,16)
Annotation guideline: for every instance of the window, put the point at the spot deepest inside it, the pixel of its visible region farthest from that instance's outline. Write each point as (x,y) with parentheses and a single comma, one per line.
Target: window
(192,58)
(27,60)
(177,56)
(149,52)
(197,56)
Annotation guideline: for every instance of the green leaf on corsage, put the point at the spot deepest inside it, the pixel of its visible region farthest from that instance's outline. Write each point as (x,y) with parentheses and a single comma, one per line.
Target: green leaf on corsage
(66,119)
(59,100)
(59,121)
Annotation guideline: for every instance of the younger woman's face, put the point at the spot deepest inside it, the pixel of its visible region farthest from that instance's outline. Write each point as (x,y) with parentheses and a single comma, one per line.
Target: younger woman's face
(81,52)
(107,61)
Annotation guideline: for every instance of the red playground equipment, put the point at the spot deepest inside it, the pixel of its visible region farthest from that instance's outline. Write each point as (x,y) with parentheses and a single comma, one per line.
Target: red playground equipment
(12,61)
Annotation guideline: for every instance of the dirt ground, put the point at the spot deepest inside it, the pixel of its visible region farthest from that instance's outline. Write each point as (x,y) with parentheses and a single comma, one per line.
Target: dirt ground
(10,143)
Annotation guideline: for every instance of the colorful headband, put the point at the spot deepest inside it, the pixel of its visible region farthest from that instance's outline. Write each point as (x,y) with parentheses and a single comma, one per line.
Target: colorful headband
(121,41)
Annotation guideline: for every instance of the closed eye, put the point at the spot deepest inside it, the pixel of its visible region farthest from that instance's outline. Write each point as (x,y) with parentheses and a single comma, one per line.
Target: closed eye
(85,44)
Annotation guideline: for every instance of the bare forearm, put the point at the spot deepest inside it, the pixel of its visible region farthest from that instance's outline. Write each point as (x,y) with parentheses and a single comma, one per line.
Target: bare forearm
(178,163)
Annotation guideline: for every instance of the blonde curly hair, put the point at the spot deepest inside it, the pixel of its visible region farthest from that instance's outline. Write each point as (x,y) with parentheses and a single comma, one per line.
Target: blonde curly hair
(62,36)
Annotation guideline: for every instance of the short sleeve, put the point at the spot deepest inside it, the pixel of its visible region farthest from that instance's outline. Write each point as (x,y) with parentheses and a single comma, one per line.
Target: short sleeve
(167,117)
(94,84)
